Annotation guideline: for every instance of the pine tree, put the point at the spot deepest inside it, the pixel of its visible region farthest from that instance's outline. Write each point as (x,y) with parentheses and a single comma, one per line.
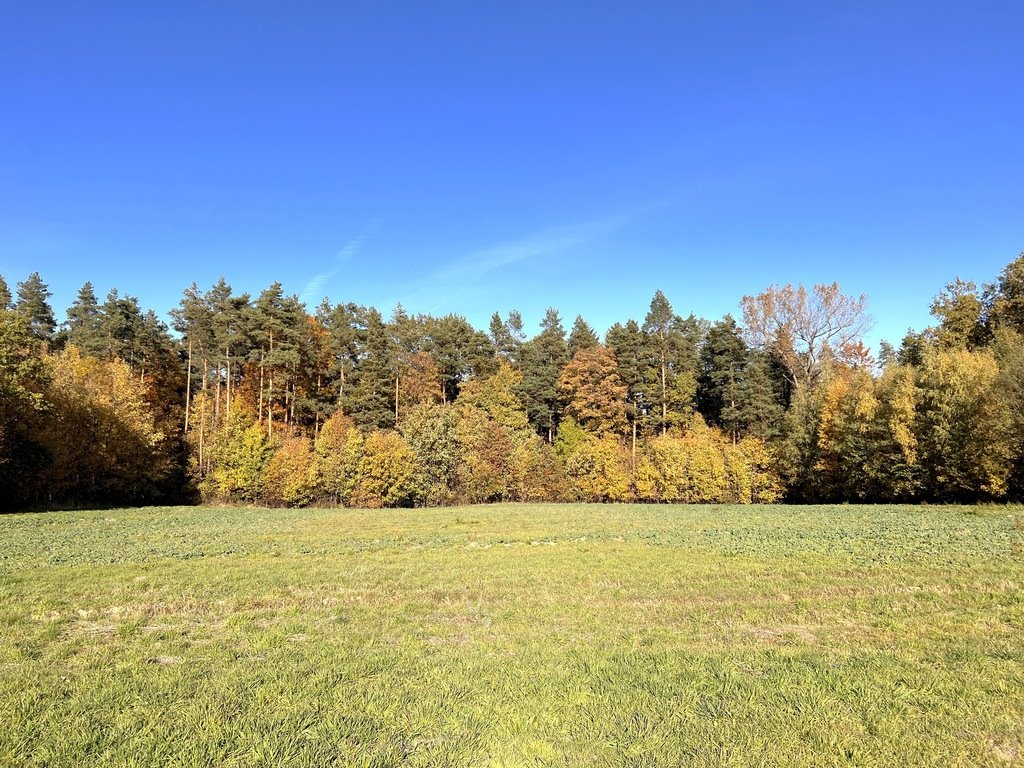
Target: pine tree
(372,404)
(507,336)
(542,360)
(761,398)
(346,334)
(460,352)
(1005,299)
(84,326)
(5,294)
(672,352)
(34,307)
(278,330)
(723,359)
(230,322)
(191,318)
(582,336)
(627,345)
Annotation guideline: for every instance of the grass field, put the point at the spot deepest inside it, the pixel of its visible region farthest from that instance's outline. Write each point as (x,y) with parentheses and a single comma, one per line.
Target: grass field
(513,636)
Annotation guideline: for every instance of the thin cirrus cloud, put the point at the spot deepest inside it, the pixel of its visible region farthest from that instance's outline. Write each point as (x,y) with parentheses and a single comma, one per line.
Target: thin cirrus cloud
(464,276)
(349,251)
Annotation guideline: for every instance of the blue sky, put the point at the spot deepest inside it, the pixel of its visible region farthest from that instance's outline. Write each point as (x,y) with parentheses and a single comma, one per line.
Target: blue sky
(483,156)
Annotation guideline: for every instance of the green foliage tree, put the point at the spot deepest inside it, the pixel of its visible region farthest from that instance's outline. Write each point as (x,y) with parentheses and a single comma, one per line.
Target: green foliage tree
(1005,299)
(542,360)
(372,399)
(627,344)
(582,336)
(671,344)
(346,335)
(84,326)
(5,294)
(33,304)
(460,352)
(432,432)
(507,336)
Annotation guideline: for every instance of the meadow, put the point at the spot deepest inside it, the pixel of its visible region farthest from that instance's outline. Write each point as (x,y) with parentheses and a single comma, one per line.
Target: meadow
(513,635)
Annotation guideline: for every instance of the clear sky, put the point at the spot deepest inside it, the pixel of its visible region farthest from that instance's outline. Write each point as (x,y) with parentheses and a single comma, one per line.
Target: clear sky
(480,156)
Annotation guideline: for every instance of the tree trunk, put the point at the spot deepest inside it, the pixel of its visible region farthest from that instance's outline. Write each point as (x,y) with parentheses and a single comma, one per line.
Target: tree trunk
(227,404)
(664,397)
(202,434)
(270,395)
(270,406)
(188,387)
(259,412)
(633,448)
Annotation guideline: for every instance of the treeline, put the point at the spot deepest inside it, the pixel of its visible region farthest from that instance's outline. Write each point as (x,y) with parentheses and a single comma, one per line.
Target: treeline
(257,399)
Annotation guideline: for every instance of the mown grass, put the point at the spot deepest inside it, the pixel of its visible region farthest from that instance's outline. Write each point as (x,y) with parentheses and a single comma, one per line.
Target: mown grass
(513,636)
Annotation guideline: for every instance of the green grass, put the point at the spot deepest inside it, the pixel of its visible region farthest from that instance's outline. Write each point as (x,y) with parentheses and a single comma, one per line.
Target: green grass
(513,636)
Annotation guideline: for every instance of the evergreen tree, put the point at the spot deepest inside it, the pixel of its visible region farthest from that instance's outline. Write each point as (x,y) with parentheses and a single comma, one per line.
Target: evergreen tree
(1005,299)
(582,336)
(737,391)
(191,318)
(761,398)
(672,351)
(542,360)
(84,326)
(627,344)
(33,305)
(723,360)
(5,294)
(372,399)
(912,349)
(346,334)
(507,336)
(230,321)
(278,326)
(460,352)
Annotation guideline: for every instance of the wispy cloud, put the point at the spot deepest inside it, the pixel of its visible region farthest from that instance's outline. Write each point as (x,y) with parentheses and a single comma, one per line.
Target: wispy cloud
(463,275)
(311,291)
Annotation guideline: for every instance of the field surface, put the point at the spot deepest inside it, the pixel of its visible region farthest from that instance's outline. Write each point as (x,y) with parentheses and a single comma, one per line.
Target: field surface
(513,636)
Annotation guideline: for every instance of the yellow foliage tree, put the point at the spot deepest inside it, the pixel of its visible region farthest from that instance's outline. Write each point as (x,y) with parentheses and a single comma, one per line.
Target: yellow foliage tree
(104,442)
(593,392)
(338,449)
(387,473)
(290,477)
(598,469)
(963,425)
